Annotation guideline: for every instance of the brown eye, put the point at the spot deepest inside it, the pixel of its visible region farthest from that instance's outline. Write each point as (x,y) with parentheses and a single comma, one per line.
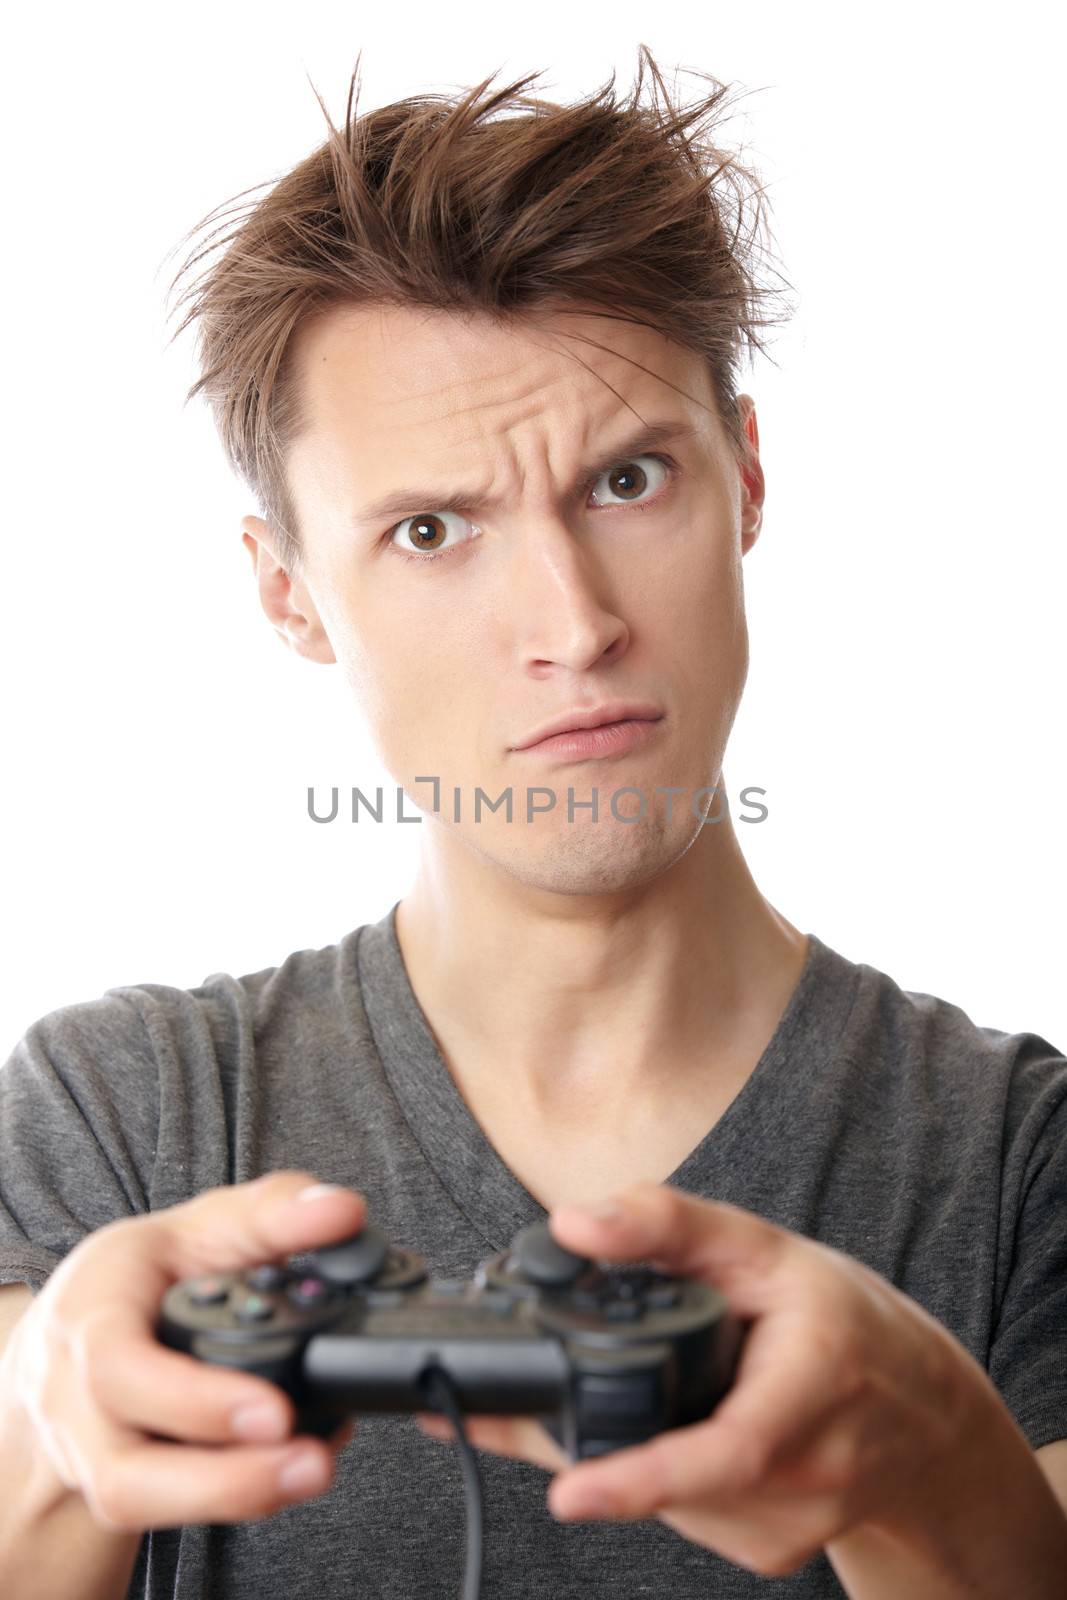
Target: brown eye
(425,536)
(630,482)
(626,481)
(426,532)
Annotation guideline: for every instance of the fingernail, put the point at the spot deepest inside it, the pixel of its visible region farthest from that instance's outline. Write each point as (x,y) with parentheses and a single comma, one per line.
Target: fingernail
(588,1506)
(301,1474)
(315,1191)
(258,1422)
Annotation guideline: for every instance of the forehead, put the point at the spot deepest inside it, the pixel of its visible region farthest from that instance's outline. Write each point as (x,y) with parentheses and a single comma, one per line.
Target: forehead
(384,371)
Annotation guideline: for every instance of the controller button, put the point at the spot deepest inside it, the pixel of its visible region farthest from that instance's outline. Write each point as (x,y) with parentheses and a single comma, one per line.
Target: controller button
(497,1300)
(355,1260)
(267,1277)
(207,1291)
(383,1298)
(253,1308)
(621,1310)
(663,1296)
(309,1292)
(541,1260)
(625,1283)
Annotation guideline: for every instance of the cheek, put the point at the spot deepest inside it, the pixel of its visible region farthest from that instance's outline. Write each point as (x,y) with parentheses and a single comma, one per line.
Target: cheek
(691,598)
(692,617)
(366,672)
(417,684)
(696,555)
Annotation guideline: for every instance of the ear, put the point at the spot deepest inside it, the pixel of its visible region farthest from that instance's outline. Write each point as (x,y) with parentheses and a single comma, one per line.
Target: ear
(286,601)
(753,487)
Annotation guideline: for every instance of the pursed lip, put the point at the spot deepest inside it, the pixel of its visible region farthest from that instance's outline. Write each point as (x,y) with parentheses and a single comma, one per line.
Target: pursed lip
(594,717)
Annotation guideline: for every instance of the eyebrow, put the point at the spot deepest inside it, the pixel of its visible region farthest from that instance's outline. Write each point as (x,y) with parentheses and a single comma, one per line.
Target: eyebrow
(409,501)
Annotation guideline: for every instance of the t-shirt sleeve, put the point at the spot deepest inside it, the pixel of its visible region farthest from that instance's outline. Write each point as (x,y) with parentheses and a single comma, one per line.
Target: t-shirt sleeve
(78,1119)
(1028,1360)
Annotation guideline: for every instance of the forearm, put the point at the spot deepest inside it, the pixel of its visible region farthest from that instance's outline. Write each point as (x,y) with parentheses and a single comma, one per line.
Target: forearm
(50,1547)
(987,1527)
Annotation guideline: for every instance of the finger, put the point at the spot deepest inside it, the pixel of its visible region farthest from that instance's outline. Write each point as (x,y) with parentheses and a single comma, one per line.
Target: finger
(220,1230)
(743,1254)
(232,1227)
(780,1402)
(131,1484)
(143,1385)
(108,1315)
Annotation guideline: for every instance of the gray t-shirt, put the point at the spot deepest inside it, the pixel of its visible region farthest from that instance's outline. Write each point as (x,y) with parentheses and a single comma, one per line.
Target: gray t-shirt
(884,1123)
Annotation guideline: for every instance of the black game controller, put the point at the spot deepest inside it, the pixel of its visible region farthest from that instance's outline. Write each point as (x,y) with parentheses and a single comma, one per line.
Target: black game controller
(605,1356)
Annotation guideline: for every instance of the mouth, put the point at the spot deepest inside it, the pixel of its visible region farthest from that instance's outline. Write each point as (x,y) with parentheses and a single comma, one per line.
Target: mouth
(586,719)
(605,740)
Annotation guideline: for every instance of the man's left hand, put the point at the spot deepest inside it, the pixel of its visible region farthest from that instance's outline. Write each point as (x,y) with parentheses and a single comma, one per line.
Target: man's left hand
(849,1401)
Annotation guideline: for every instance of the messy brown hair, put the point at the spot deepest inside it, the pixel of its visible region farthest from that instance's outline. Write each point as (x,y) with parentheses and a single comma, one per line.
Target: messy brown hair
(452,205)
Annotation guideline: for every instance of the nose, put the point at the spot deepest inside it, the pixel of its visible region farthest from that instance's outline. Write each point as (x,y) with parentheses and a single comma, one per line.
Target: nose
(561,601)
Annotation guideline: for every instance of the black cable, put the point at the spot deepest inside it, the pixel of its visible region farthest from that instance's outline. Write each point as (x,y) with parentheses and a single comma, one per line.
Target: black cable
(440,1391)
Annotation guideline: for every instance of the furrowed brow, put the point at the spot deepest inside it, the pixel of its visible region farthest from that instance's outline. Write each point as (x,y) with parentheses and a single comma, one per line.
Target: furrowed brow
(407,502)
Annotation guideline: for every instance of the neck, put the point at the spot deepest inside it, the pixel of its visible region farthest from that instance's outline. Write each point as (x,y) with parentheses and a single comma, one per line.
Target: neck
(548,996)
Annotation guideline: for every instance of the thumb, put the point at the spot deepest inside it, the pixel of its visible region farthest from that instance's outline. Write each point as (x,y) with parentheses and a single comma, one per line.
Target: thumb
(240,1225)
(719,1244)
(135,1260)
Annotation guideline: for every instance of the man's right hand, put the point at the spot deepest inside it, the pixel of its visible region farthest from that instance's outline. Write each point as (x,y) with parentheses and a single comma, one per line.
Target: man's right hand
(84,1364)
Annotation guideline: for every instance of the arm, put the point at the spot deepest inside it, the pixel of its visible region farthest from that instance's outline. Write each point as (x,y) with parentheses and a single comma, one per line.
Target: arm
(992,1525)
(50,1546)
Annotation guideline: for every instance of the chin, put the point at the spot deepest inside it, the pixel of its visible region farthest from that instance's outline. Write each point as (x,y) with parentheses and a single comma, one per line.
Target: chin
(594,860)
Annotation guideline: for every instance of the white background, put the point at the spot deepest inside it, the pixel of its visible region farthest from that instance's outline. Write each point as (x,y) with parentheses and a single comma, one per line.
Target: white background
(904,709)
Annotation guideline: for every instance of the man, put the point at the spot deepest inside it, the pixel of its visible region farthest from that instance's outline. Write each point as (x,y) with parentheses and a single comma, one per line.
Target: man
(501,517)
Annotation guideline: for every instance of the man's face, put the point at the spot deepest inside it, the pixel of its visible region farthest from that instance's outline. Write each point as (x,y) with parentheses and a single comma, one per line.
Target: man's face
(554,590)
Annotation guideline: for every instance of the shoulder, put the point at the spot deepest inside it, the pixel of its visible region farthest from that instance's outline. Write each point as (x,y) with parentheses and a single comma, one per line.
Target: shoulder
(134,1026)
(941,1068)
(306,979)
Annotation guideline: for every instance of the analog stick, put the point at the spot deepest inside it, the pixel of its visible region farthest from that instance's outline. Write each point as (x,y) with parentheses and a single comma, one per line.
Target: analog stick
(541,1260)
(355,1260)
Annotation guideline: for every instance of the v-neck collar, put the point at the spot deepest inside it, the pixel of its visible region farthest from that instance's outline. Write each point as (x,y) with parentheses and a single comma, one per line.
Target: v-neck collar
(768,1106)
